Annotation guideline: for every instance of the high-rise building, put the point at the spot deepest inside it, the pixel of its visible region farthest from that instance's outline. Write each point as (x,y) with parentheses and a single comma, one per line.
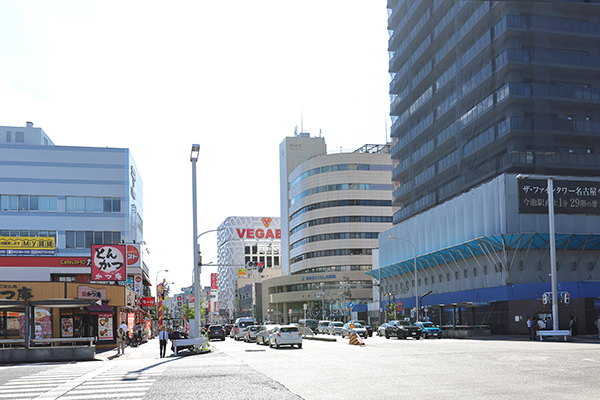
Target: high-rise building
(483,91)
(482,88)
(333,207)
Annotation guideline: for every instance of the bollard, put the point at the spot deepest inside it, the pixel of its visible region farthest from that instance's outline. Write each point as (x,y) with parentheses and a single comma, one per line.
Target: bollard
(356,340)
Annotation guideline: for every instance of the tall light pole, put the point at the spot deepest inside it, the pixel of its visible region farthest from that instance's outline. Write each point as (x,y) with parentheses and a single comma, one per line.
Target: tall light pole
(416,276)
(194,158)
(552,234)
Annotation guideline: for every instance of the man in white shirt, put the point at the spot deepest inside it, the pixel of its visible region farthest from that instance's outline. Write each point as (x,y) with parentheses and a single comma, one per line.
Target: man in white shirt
(163,337)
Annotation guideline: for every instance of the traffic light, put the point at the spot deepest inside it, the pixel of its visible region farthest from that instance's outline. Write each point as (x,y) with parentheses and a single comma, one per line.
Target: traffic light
(544,299)
(256,264)
(178,298)
(567,298)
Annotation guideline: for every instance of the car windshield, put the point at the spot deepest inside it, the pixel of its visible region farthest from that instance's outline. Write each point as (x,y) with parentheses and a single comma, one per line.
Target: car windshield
(253,328)
(404,323)
(215,328)
(429,325)
(356,325)
(244,324)
(289,329)
(337,324)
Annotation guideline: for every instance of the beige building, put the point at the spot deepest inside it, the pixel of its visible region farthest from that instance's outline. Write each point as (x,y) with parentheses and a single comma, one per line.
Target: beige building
(333,207)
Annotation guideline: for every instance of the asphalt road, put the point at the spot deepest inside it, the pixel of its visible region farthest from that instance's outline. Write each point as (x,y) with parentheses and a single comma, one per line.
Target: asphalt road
(385,369)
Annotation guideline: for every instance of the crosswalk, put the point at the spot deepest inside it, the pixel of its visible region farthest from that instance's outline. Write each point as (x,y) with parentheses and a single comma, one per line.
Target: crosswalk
(127,380)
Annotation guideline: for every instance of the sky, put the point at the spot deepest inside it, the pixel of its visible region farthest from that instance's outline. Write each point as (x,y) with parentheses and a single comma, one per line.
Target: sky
(236,77)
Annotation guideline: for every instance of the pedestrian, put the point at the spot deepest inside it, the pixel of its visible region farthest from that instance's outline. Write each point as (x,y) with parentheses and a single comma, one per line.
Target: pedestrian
(529,330)
(124,327)
(573,326)
(163,337)
(534,328)
(120,341)
(541,324)
(549,324)
(598,325)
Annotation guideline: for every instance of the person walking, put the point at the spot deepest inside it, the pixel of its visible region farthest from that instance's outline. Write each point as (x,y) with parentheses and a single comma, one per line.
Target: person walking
(549,324)
(120,341)
(573,326)
(529,328)
(163,337)
(534,328)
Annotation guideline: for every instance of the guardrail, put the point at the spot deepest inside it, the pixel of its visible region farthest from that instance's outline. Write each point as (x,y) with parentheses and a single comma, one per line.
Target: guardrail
(188,342)
(52,341)
(553,334)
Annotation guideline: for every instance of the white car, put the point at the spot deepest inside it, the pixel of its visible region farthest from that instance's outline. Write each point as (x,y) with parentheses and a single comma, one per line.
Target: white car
(286,335)
(354,327)
(335,328)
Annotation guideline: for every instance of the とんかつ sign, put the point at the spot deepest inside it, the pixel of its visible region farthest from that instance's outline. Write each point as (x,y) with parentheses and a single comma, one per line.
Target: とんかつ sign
(109,263)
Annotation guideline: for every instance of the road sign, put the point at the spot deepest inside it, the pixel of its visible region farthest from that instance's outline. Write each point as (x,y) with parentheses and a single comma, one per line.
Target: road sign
(350,304)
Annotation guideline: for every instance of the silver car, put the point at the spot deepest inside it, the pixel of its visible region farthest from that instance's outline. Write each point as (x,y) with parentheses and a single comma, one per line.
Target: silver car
(355,327)
(335,328)
(262,337)
(250,333)
(287,335)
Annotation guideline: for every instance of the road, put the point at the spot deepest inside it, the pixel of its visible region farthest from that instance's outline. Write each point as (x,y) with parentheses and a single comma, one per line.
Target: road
(385,369)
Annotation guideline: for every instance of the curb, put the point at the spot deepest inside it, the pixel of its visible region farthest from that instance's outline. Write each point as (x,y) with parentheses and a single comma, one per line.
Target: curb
(322,339)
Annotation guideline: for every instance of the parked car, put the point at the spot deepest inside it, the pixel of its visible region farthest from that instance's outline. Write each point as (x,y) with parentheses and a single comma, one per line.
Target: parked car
(262,337)
(250,333)
(216,332)
(429,329)
(350,327)
(402,330)
(322,327)
(287,335)
(335,328)
(368,327)
(381,329)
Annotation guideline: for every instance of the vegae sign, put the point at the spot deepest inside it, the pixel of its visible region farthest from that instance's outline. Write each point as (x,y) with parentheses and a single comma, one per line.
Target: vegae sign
(260,233)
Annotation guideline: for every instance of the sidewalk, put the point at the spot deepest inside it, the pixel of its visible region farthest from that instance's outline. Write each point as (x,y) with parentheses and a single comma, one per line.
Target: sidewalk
(525,338)
(145,350)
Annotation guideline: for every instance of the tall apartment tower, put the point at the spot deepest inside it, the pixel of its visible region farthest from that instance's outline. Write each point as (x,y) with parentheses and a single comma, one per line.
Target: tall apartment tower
(483,88)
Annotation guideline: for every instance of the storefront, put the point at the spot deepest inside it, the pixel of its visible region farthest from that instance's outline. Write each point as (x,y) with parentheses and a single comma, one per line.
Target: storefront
(98,320)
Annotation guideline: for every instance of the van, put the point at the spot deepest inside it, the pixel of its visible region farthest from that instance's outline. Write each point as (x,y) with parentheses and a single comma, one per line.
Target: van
(237,332)
(310,323)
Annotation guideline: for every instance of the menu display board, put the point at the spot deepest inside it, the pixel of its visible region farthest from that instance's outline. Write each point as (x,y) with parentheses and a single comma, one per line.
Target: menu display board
(105,327)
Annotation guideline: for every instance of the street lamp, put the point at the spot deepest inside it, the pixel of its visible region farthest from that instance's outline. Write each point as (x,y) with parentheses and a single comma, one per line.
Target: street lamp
(552,234)
(416,283)
(194,158)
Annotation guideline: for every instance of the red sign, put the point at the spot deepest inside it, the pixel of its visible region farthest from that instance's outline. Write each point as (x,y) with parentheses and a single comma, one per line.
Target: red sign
(213,281)
(148,302)
(108,262)
(133,255)
(259,233)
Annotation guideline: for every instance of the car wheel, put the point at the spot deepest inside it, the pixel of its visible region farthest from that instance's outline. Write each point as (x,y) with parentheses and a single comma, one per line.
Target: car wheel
(300,345)
(277,344)
(343,336)
(387,336)
(418,337)
(423,335)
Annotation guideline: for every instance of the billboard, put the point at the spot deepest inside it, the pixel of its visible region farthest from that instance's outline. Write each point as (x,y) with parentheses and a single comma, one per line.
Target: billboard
(23,245)
(109,263)
(133,255)
(213,281)
(570,197)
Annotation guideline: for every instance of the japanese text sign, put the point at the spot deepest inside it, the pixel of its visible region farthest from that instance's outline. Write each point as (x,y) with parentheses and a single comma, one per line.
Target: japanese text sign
(570,197)
(108,263)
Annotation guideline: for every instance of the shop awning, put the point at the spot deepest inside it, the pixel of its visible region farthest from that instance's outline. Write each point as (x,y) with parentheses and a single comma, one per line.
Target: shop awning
(104,308)
(53,303)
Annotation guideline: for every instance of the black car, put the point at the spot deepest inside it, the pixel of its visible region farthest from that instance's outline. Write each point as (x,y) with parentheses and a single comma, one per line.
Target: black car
(216,332)
(402,330)
(228,328)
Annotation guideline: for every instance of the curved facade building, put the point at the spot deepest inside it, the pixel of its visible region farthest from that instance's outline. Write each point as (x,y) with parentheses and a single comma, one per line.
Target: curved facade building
(335,206)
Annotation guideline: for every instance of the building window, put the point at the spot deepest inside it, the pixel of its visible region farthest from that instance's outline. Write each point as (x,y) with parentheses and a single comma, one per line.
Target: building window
(276,260)
(246,249)
(8,138)
(19,137)
(485,269)
(85,239)
(455,274)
